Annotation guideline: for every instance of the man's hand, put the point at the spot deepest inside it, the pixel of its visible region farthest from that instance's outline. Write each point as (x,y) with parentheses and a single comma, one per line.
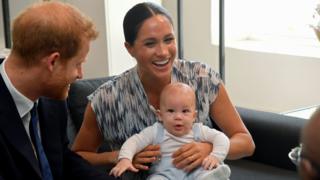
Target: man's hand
(121,167)
(191,155)
(148,155)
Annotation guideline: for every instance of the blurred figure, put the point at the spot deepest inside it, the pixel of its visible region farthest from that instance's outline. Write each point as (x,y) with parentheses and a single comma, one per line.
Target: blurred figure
(309,166)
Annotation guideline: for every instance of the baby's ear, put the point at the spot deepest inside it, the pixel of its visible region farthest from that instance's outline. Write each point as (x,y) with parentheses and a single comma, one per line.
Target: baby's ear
(195,114)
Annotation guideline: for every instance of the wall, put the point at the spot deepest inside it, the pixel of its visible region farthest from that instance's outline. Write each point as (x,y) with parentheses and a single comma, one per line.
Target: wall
(262,81)
(2,39)
(272,82)
(97,60)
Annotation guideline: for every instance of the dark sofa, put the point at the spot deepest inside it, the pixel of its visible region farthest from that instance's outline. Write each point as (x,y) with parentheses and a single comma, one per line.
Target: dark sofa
(274,135)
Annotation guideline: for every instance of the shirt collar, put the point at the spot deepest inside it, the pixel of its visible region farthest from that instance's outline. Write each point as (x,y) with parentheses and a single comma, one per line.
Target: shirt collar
(23,104)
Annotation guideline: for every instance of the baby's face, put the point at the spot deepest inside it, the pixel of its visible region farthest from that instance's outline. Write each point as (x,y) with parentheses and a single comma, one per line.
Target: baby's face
(177,112)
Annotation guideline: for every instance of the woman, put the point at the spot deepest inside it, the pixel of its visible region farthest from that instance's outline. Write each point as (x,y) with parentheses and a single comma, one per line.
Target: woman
(128,103)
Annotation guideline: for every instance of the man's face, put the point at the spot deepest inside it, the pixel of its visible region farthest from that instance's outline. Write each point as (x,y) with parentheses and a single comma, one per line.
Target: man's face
(66,71)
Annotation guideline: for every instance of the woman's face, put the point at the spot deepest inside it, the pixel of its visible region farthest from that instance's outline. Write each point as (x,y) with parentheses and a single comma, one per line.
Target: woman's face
(154,48)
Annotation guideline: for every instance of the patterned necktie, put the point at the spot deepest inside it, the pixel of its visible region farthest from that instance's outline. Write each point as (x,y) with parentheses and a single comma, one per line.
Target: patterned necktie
(43,161)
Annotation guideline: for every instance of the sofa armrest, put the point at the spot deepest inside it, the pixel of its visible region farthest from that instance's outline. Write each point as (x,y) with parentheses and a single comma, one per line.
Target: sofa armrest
(274,135)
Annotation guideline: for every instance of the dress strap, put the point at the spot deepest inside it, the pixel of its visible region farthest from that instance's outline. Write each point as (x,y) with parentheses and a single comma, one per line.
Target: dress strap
(159,133)
(196,131)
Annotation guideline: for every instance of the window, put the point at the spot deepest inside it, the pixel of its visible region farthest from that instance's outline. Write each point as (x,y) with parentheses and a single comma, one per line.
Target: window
(283,26)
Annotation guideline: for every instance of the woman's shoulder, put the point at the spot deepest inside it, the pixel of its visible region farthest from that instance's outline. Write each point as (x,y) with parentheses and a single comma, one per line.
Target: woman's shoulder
(117,83)
(188,63)
(193,68)
(121,80)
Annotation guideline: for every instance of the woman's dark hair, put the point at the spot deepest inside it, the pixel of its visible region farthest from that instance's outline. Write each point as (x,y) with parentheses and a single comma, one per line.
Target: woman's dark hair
(135,17)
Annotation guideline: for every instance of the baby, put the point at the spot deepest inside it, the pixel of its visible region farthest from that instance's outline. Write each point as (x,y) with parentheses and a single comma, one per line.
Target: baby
(177,127)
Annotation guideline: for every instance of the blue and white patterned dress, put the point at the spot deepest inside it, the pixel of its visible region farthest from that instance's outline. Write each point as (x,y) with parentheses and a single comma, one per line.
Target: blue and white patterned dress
(122,108)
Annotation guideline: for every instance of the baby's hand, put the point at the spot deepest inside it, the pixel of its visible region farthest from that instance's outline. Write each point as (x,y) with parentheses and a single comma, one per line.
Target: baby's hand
(121,167)
(210,162)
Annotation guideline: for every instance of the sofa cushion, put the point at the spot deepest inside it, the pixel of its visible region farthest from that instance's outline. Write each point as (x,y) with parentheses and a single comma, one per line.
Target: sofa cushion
(77,100)
(250,170)
(274,135)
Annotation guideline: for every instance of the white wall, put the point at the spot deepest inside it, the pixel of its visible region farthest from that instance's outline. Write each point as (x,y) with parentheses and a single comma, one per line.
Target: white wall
(272,82)
(263,81)
(197,33)
(97,61)
(2,39)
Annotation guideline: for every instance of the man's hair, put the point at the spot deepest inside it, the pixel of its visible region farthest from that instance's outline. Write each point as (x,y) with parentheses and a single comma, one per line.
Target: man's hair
(49,27)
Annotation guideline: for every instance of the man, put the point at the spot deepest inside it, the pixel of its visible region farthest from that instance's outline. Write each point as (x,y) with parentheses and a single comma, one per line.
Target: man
(50,43)
(309,167)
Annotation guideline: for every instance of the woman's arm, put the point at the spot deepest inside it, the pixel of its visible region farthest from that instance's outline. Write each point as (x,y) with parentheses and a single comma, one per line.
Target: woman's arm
(227,118)
(89,139)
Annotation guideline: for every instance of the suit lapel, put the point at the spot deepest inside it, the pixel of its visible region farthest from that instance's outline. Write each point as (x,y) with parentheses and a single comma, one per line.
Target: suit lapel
(52,113)
(49,129)
(12,127)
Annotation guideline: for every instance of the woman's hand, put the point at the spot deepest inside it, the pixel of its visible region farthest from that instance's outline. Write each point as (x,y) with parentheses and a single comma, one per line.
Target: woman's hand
(191,155)
(148,155)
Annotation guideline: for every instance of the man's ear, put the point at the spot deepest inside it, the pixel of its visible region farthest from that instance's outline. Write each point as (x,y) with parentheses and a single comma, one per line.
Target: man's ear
(51,60)
(129,48)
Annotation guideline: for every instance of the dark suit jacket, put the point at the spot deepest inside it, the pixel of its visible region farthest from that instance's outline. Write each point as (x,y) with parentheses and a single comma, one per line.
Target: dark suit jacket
(17,159)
